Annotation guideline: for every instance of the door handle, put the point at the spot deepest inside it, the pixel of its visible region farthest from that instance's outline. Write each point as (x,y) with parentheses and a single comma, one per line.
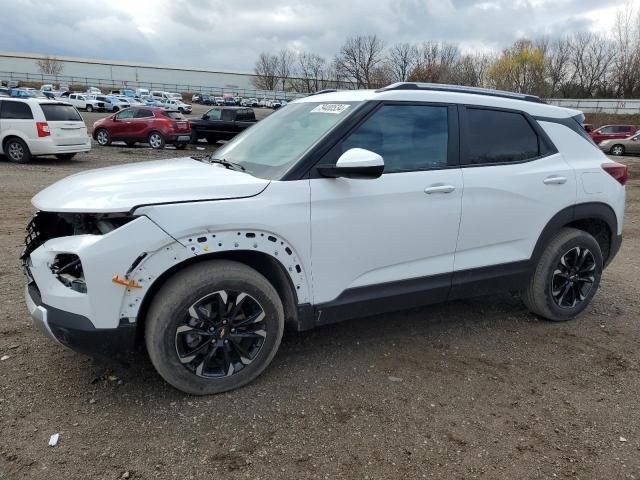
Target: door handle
(555,180)
(439,188)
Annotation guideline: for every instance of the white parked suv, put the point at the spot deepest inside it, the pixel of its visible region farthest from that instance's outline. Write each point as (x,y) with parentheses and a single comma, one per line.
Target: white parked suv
(85,102)
(34,127)
(341,205)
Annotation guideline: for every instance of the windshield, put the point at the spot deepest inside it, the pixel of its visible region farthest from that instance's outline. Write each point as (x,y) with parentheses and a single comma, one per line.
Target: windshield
(270,147)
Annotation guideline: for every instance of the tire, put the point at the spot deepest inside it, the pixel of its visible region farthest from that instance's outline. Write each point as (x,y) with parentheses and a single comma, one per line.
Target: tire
(65,156)
(115,109)
(17,151)
(194,137)
(103,137)
(179,325)
(559,289)
(181,146)
(212,139)
(617,150)
(89,108)
(156,140)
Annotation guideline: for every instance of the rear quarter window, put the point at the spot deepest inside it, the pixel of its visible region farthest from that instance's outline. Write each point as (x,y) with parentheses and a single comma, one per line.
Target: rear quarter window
(15,111)
(60,113)
(494,137)
(174,115)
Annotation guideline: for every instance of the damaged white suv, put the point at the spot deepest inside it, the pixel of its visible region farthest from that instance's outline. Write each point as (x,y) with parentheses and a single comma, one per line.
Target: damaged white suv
(342,204)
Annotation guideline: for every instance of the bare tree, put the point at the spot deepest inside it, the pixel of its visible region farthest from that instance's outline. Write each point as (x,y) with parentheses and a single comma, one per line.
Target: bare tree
(470,70)
(50,66)
(591,57)
(359,57)
(266,72)
(402,59)
(435,62)
(311,72)
(626,36)
(286,59)
(557,63)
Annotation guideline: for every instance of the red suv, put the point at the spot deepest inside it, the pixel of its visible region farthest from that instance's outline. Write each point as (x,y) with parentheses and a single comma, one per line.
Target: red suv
(608,132)
(152,125)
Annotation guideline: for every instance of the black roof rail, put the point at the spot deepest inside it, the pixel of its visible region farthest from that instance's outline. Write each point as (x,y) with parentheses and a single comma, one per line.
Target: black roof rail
(326,90)
(443,87)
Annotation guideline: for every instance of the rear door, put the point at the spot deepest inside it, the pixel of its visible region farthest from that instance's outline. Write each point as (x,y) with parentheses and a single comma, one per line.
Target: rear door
(65,123)
(514,182)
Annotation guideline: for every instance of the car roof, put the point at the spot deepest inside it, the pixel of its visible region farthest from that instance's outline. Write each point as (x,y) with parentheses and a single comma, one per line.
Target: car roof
(447,94)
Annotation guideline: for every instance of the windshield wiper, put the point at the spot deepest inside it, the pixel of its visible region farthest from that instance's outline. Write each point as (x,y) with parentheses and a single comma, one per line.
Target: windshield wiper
(222,161)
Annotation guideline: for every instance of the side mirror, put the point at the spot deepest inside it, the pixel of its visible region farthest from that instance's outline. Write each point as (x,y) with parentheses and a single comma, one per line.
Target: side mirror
(205,117)
(355,163)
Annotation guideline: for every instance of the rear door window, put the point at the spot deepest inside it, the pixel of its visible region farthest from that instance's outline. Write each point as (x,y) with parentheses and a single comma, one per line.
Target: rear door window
(16,111)
(495,136)
(58,112)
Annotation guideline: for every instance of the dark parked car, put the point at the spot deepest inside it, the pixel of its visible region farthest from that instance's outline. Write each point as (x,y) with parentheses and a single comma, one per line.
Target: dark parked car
(222,123)
(152,125)
(608,132)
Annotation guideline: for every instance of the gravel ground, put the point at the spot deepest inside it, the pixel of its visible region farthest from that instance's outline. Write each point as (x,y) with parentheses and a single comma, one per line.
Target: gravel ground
(471,389)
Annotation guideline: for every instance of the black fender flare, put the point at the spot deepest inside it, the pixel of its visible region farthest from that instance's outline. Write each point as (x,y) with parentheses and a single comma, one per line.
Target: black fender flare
(581,211)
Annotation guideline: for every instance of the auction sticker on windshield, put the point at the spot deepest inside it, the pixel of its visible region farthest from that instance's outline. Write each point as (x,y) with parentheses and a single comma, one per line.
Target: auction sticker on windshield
(337,108)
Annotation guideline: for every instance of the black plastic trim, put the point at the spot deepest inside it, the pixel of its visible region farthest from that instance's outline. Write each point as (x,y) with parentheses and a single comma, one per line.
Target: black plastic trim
(78,332)
(442,87)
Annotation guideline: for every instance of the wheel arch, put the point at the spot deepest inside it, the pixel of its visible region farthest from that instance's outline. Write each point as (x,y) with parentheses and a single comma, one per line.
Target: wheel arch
(596,218)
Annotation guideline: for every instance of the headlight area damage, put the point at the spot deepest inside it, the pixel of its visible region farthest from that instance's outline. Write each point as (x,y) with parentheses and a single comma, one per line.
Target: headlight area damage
(67,267)
(75,264)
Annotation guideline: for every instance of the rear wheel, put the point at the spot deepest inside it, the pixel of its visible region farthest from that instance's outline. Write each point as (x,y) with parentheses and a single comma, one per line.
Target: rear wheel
(617,150)
(103,137)
(567,276)
(156,140)
(214,327)
(17,151)
(65,156)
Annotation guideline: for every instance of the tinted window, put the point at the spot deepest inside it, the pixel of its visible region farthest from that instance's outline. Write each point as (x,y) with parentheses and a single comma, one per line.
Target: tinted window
(142,113)
(56,112)
(214,114)
(493,136)
(16,111)
(621,129)
(228,115)
(173,114)
(407,137)
(606,130)
(128,113)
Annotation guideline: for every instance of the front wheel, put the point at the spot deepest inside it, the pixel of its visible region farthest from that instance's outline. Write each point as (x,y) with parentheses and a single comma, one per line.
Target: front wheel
(89,108)
(214,327)
(156,140)
(567,276)
(617,150)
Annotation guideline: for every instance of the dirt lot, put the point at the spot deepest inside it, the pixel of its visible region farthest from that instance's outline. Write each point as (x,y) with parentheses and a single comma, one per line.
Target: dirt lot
(473,389)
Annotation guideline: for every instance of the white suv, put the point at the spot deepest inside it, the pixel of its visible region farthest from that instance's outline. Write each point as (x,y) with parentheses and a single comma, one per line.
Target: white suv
(341,205)
(33,127)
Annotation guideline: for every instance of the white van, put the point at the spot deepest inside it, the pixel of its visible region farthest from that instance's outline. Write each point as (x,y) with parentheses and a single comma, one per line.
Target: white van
(33,127)
(162,96)
(143,92)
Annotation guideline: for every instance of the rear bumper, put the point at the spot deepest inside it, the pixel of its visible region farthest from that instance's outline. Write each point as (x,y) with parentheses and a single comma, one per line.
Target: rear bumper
(46,146)
(76,331)
(179,138)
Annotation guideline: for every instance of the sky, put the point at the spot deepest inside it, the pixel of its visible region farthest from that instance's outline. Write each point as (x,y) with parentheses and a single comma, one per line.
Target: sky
(224,34)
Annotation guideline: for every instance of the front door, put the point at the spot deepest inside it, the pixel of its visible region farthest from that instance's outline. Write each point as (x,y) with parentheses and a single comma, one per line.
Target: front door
(392,237)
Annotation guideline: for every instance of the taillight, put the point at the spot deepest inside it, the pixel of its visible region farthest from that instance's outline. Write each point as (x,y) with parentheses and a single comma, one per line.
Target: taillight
(43,129)
(617,170)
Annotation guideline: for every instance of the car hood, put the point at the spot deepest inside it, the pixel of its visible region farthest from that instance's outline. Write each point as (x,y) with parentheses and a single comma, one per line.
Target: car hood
(122,188)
